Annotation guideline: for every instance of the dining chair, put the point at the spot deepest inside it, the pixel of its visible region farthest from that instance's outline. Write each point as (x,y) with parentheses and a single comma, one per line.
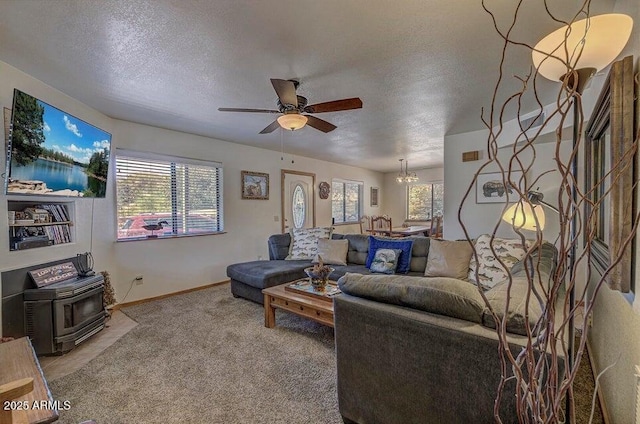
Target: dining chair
(436,227)
(381,225)
(365,224)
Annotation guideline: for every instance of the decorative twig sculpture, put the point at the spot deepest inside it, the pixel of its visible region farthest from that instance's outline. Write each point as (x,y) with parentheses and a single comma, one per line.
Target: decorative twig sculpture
(545,369)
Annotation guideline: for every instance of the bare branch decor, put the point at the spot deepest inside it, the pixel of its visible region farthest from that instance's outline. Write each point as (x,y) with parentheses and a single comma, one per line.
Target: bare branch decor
(255,185)
(542,372)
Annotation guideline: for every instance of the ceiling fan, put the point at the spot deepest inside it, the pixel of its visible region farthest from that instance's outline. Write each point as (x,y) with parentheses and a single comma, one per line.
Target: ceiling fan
(295,110)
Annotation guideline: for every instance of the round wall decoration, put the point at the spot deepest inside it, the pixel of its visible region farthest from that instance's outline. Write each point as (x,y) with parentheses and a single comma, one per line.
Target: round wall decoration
(325,189)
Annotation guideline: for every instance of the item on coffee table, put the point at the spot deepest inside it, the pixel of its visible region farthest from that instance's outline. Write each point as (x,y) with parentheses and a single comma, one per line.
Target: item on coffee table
(319,274)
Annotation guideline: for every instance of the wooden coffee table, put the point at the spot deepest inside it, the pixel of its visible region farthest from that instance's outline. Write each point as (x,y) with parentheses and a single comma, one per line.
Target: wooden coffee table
(318,308)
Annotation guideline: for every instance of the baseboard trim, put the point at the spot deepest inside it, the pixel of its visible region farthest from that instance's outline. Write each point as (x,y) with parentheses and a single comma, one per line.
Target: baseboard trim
(164,296)
(603,406)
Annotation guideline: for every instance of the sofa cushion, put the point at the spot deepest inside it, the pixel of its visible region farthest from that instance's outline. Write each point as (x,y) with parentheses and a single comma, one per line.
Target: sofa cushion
(419,253)
(385,261)
(519,318)
(490,270)
(262,274)
(444,296)
(358,248)
(382,243)
(279,246)
(448,259)
(332,252)
(304,242)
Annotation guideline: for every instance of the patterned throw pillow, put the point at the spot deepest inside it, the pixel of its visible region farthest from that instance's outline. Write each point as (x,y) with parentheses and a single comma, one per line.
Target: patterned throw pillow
(490,271)
(304,242)
(385,261)
(406,245)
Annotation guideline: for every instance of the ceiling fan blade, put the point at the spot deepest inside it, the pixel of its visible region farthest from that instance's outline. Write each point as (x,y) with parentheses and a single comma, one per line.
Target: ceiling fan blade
(270,128)
(286,91)
(320,124)
(336,105)
(233,109)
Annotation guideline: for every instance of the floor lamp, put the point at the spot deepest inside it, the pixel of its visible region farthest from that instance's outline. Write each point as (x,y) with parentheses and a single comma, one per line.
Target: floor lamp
(573,54)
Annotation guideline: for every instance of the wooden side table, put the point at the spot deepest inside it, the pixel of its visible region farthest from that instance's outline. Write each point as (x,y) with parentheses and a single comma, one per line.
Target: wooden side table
(23,385)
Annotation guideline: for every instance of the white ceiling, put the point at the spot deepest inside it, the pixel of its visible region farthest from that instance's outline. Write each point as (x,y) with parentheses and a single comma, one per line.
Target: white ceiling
(423,68)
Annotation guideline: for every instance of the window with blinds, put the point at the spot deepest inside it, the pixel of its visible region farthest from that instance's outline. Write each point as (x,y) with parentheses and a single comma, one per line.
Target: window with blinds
(424,201)
(181,195)
(346,201)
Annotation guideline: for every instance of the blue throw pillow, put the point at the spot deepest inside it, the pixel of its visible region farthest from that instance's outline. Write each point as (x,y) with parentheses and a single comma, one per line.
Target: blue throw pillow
(404,245)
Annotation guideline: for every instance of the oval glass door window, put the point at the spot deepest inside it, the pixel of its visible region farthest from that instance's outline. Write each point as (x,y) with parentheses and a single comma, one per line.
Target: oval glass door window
(298,206)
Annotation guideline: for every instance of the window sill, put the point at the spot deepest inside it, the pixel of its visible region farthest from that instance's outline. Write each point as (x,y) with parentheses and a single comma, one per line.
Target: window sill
(169,237)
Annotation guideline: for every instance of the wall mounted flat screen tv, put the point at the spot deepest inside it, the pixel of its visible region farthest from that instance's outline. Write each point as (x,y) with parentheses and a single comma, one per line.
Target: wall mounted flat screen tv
(51,152)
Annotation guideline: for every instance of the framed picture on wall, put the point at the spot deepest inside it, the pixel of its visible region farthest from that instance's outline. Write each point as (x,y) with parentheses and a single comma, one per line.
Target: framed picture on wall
(490,188)
(374,196)
(255,185)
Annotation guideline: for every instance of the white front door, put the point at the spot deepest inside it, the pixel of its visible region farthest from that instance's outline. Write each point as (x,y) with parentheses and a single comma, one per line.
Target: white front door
(298,200)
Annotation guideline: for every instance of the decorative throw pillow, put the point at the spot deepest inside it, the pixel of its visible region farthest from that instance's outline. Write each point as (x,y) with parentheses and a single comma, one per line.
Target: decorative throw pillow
(385,261)
(490,271)
(404,245)
(332,252)
(448,259)
(304,242)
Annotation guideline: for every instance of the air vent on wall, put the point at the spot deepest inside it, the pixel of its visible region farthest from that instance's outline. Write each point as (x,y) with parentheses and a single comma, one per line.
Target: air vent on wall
(533,122)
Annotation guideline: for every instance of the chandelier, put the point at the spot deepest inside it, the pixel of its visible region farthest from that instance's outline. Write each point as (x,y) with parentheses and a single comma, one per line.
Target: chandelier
(405,176)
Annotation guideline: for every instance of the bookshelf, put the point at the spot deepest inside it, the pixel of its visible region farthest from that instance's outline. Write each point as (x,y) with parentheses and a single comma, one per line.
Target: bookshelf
(35,224)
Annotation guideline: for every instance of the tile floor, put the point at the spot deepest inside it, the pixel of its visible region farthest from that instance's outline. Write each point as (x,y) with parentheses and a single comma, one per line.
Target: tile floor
(58,366)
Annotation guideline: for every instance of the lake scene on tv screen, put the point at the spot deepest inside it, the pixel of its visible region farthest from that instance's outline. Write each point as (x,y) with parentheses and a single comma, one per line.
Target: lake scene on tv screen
(55,153)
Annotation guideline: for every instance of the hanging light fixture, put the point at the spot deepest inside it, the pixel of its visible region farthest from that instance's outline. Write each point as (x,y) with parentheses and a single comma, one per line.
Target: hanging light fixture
(292,121)
(405,176)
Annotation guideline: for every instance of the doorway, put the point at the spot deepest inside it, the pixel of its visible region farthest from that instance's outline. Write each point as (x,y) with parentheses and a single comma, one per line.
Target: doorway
(298,199)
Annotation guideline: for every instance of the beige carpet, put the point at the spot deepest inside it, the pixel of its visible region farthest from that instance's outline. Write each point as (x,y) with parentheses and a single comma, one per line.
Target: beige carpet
(205,357)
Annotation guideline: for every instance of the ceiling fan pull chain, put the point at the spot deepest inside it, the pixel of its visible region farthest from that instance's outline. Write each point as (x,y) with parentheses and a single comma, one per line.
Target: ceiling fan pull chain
(281,144)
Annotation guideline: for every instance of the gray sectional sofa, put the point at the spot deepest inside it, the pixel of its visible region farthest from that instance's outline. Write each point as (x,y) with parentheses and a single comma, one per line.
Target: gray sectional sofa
(423,350)
(412,349)
(249,278)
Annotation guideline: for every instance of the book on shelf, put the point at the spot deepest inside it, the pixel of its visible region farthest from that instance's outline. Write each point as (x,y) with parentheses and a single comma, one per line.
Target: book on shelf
(59,234)
(58,212)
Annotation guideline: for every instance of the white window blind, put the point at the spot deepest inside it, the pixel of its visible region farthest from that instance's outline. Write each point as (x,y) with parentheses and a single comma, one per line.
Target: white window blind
(346,201)
(424,201)
(181,194)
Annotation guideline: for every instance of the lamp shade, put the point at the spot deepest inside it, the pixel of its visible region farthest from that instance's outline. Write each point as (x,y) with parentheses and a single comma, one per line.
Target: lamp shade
(292,121)
(589,43)
(523,217)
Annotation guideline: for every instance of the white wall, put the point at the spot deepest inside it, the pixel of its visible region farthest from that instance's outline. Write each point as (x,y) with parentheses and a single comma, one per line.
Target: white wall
(170,265)
(395,204)
(482,218)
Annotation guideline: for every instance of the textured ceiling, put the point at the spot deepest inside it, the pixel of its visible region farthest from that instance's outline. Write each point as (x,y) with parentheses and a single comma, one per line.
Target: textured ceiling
(423,68)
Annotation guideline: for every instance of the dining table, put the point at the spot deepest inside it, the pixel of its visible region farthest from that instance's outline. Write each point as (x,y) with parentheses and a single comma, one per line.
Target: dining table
(411,230)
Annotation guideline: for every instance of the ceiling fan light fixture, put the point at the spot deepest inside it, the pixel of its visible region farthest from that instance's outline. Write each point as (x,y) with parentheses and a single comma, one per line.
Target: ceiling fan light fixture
(292,121)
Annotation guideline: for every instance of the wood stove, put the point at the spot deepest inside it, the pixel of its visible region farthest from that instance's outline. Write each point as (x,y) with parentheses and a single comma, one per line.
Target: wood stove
(60,316)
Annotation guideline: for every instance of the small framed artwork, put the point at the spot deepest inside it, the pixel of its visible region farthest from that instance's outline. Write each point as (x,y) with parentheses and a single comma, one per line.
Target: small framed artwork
(255,185)
(374,196)
(490,189)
